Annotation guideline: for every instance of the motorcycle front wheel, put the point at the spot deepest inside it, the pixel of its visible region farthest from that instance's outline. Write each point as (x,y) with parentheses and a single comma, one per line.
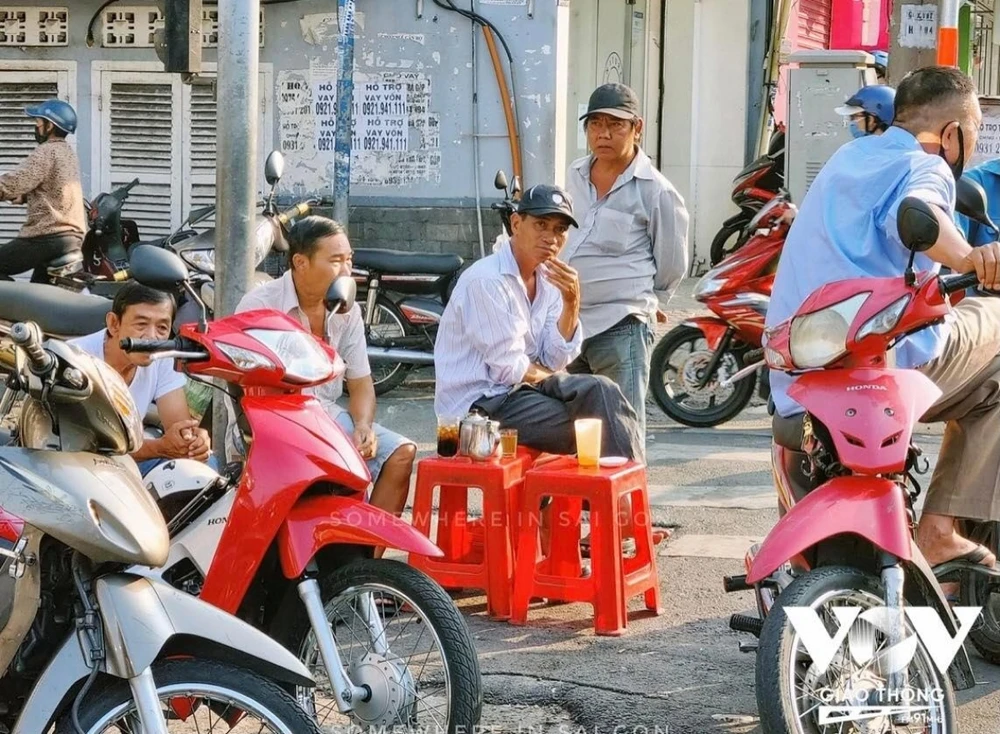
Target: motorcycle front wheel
(195,696)
(793,695)
(415,654)
(678,363)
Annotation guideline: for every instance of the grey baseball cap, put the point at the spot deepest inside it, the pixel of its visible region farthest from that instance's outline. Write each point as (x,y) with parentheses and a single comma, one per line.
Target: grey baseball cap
(613,99)
(542,199)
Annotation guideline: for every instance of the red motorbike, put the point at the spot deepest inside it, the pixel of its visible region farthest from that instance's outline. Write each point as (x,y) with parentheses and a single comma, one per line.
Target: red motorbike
(285,539)
(844,473)
(753,187)
(703,372)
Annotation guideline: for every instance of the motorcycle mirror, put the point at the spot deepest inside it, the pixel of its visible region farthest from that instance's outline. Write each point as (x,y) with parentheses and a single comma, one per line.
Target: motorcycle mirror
(157,267)
(917,226)
(341,294)
(274,167)
(197,215)
(500,181)
(971,201)
(515,188)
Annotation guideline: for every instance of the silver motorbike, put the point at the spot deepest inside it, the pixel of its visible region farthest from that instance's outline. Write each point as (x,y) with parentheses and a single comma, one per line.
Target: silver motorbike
(86,647)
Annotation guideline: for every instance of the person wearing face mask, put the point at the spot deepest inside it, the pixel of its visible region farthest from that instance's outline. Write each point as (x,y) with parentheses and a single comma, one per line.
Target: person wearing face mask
(48,181)
(870,110)
(846,228)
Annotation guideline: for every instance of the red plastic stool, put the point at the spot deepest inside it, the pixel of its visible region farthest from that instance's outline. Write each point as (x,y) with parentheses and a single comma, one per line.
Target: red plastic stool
(477,554)
(613,579)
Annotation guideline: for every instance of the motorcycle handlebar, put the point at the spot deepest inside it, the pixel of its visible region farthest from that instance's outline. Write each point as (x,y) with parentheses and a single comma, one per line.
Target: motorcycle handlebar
(148,346)
(299,210)
(954,283)
(29,338)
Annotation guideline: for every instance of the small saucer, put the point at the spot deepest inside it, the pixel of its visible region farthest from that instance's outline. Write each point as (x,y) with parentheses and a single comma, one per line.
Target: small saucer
(613,461)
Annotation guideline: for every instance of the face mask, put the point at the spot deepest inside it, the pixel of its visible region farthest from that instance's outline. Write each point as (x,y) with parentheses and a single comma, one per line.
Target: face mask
(959,165)
(39,138)
(856,131)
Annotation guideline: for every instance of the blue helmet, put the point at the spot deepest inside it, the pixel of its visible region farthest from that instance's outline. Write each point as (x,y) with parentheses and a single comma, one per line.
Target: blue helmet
(878,100)
(881,59)
(59,113)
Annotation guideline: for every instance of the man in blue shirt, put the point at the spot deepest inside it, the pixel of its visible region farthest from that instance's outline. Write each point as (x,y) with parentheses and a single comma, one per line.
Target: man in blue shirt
(846,228)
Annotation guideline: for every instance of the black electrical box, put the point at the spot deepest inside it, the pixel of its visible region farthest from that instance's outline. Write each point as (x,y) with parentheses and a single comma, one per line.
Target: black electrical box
(182,36)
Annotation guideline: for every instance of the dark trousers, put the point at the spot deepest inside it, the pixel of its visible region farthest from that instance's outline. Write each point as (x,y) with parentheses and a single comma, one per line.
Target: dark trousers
(543,414)
(622,354)
(22,254)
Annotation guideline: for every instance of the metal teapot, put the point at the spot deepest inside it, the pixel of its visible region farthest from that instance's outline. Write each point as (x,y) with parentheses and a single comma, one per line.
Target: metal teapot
(479,437)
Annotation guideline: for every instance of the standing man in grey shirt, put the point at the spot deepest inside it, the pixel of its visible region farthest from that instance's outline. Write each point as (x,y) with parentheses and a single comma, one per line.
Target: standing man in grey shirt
(631,248)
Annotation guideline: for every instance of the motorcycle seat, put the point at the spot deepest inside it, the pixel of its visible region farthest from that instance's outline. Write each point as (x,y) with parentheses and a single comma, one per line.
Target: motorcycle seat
(395,262)
(787,432)
(57,311)
(70,258)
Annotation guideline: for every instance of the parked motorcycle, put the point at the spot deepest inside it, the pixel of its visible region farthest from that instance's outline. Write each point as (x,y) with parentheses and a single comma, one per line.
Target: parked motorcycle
(703,372)
(403,296)
(286,537)
(844,474)
(753,187)
(86,646)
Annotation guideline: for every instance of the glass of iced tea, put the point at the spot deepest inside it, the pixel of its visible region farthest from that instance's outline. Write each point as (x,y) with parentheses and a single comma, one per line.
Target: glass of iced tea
(508,442)
(448,432)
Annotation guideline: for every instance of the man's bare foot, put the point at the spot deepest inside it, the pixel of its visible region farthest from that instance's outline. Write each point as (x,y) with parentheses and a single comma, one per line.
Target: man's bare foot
(939,542)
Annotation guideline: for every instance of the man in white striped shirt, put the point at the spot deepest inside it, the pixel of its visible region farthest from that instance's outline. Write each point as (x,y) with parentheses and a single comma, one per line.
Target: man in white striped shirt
(511,327)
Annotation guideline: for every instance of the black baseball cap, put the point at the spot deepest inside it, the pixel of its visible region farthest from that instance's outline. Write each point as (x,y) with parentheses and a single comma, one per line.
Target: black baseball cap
(613,99)
(543,199)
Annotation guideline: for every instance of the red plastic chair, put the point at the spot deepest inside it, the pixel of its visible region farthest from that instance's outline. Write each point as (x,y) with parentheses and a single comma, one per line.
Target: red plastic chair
(613,579)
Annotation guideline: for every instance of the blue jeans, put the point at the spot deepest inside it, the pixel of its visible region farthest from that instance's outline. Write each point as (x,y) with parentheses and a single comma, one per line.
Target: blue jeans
(621,354)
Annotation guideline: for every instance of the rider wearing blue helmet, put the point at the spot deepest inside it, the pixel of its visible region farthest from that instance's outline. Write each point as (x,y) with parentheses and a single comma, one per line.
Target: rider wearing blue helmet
(48,181)
(871,110)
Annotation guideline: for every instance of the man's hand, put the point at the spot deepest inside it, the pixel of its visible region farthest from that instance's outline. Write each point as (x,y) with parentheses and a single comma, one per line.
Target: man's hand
(661,317)
(20,200)
(179,439)
(535,374)
(200,447)
(985,261)
(365,441)
(565,278)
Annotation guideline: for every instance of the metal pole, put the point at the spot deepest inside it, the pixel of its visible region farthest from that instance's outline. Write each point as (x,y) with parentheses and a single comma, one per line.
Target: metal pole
(475,134)
(345,118)
(947,46)
(236,164)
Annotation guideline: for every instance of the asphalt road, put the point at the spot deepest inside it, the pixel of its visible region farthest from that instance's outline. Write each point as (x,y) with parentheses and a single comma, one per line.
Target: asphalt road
(678,672)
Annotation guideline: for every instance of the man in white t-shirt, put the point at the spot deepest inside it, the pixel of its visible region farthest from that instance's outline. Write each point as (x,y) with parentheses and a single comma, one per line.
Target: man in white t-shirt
(318,253)
(140,312)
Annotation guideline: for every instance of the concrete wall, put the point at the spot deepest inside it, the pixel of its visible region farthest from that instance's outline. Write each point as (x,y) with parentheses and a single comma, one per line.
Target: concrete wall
(704,108)
(432,53)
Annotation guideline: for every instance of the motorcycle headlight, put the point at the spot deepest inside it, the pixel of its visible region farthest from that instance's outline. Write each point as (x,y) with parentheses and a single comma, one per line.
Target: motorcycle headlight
(819,338)
(299,353)
(203,260)
(712,281)
(885,320)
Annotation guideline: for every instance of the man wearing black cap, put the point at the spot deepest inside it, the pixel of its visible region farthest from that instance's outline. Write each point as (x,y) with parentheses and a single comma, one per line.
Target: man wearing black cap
(511,327)
(630,248)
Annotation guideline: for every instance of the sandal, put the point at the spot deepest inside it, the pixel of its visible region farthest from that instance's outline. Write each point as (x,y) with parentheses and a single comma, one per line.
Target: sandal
(948,568)
(976,556)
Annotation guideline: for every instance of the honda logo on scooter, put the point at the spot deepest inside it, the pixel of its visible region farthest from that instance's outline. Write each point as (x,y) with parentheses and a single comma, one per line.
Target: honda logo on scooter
(857,388)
